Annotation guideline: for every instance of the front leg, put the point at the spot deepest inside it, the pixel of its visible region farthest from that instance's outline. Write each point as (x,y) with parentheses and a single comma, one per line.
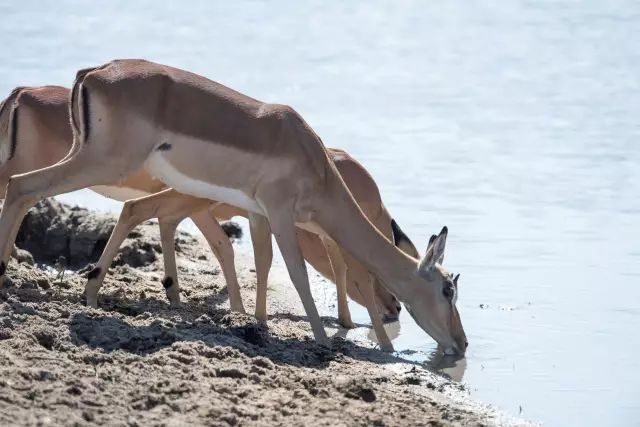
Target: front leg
(368,292)
(339,267)
(281,218)
(167,239)
(263,256)
(170,207)
(223,250)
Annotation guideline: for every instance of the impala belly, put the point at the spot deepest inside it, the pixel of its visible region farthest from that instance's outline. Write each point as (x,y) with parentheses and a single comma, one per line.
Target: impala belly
(121,194)
(159,167)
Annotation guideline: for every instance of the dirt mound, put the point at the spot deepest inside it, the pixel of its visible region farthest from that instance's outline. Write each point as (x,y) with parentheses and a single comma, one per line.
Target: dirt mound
(136,361)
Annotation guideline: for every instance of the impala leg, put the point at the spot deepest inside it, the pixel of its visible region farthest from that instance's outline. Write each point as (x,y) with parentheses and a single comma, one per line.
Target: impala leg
(368,292)
(283,227)
(263,256)
(339,268)
(168,205)
(126,222)
(24,191)
(223,250)
(168,227)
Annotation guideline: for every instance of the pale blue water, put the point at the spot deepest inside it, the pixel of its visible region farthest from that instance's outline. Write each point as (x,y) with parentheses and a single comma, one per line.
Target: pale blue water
(515,124)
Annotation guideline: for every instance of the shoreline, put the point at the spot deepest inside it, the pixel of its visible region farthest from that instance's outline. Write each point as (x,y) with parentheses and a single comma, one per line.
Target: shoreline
(135,361)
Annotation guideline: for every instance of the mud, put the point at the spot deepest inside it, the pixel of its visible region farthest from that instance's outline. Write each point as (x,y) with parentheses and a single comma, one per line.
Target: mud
(135,361)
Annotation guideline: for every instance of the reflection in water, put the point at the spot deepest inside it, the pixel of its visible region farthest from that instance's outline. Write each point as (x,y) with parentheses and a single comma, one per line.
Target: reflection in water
(452,367)
(392,328)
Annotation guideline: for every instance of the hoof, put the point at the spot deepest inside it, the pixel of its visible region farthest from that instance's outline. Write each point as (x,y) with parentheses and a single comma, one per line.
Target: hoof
(262,317)
(347,323)
(390,318)
(324,342)
(240,310)
(92,302)
(172,291)
(387,348)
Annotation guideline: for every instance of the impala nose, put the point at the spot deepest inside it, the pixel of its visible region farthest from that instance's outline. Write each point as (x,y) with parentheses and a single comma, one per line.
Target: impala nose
(459,348)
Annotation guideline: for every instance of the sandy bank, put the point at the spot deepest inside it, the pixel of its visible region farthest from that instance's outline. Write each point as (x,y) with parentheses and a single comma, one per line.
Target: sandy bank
(135,361)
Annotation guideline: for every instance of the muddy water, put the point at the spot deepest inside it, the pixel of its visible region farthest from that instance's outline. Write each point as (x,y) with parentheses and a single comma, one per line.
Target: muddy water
(515,124)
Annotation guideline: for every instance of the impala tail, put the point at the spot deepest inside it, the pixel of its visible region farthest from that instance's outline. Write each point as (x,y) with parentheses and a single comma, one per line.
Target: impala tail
(80,98)
(9,126)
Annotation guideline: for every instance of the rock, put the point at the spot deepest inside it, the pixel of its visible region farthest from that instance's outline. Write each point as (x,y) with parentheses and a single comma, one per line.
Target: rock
(52,230)
(22,256)
(43,282)
(136,253)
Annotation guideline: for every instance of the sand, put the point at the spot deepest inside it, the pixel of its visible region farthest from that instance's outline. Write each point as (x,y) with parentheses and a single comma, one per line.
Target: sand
(136,362)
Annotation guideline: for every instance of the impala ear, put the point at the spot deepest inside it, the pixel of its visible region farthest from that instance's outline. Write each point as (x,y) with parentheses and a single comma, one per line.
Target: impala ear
(431,240)
(435,250)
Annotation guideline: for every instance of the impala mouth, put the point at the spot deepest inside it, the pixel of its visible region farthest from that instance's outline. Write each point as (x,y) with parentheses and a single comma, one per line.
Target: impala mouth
(455,350)
(390,313)
(450,351)
(390,318)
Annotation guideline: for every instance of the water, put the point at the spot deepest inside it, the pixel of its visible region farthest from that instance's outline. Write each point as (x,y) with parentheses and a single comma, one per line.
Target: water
(515,124)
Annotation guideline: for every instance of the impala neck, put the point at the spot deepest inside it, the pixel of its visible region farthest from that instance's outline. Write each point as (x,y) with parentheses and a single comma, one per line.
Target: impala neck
(340,217)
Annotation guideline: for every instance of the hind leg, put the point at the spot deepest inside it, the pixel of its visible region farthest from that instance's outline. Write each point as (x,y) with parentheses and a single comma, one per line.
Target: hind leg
(23,191)
(126,222)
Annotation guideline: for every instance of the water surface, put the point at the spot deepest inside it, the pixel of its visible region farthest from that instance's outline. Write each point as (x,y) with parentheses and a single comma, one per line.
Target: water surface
(515,124)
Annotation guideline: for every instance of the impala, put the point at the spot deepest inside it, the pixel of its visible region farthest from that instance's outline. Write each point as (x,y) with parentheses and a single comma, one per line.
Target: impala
(206,140)
(42,136)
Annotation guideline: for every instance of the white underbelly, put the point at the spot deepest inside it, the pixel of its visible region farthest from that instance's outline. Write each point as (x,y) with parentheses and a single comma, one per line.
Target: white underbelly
(160,168)
(121,194)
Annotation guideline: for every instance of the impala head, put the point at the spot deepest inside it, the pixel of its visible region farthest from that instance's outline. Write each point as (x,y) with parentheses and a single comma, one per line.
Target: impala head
(388,305)
(433,302)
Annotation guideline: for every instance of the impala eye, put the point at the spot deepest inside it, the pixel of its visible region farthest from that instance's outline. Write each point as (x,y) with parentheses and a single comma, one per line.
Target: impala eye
(447,291)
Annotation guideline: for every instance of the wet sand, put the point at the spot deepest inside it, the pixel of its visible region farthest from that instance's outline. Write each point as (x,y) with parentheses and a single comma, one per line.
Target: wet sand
(135,361)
